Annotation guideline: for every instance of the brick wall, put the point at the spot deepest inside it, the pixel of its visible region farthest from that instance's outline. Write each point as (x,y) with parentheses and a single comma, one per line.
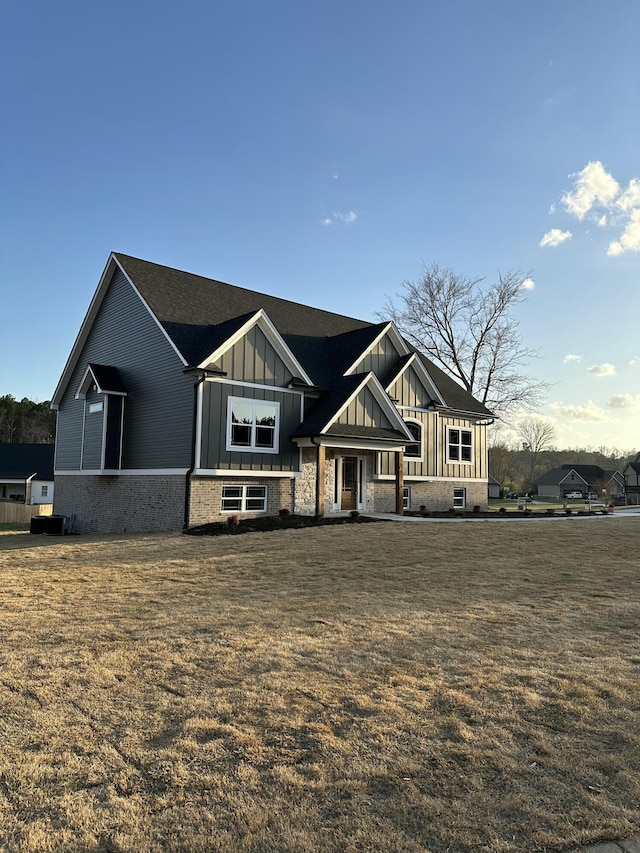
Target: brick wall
(122,503)
(436,495)
(206,497)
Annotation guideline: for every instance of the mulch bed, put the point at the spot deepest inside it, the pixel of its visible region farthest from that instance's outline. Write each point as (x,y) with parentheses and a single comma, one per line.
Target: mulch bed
(269,523)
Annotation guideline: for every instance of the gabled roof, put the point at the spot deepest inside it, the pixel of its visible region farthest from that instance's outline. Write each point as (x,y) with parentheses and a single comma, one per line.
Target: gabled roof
(556,476)
(22,461)
(198,315)
(106,378)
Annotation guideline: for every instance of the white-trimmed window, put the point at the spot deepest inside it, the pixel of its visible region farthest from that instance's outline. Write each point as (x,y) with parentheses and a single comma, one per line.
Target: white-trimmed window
(44,491)
(244,499)
(459,445)
(414,451)
(96,407)
(459,497)
(252,425)
(406,497)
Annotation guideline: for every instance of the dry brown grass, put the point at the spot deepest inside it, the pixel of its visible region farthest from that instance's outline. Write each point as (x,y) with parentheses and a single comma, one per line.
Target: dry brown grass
(397,687)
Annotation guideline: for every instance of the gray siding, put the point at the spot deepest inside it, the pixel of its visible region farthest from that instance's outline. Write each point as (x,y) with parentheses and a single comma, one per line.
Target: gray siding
(409,390)
(214,430)
(253,359)
(93,432)
(478,467)
(365,411)
(425,467)
(158,408)
(380,359)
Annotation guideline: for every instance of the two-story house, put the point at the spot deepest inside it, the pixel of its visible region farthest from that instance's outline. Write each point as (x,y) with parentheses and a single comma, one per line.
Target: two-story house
(185,399)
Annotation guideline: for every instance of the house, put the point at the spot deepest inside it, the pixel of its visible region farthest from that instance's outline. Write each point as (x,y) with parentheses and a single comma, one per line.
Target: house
(567,479)
(631,473)
(185,400)
(26,473)
(493,487)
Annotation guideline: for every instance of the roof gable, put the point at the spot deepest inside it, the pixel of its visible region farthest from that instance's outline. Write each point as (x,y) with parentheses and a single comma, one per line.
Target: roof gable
(411,364)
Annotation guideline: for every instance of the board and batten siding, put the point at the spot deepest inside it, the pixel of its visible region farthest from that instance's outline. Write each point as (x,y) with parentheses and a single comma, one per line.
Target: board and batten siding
(159,404)
(478,467)
(364,410)
(425,467)
(253,359)
(213,448)
(380,358)
(408,390)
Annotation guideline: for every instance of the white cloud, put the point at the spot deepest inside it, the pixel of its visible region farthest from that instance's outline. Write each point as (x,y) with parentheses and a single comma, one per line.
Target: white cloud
(635,360)
(602,222)
(630,239)
(626,401)
(605,369)
(571,357)
(629,198)
(555,237)
(528,284)
(587,412)
(337,216)
(593,184)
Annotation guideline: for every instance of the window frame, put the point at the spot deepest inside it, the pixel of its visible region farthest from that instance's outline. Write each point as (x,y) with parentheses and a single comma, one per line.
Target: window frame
(460,500)
(406,497)
(252,447)
(419,456)
(459,445)
(243,498)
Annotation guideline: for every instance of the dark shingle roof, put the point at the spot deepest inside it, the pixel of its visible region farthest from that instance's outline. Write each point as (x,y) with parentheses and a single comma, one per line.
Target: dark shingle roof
(198,312)
(108,378)
(19,461)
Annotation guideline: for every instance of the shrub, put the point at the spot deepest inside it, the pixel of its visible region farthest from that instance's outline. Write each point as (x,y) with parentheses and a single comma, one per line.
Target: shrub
(568,511)
(354,513)
(233,520)
(502,509)
(284,512)
(550,511)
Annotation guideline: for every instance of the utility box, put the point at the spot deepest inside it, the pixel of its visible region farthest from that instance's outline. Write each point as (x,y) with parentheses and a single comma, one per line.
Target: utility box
(56,525)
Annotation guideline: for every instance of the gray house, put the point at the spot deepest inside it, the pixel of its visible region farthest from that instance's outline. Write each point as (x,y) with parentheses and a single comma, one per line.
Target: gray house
(631,473)
(185,399)
(26,473)
(569,479)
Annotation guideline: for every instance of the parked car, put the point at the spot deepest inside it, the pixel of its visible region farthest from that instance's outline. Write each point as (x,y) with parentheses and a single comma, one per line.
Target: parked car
(572,496)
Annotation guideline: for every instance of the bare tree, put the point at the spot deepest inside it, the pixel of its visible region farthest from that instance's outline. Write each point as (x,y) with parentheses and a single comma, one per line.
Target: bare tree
(537,435)
(468,330)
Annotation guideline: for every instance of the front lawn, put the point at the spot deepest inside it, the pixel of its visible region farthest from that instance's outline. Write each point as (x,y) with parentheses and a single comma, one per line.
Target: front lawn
(369,687)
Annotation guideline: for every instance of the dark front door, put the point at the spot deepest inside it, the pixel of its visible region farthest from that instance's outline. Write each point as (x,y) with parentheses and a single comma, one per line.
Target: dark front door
(349,495)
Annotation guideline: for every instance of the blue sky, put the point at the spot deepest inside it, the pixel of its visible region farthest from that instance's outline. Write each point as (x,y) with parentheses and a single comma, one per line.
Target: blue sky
(322,152)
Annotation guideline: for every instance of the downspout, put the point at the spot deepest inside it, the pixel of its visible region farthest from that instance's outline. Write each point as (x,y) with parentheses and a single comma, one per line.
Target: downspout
(187,486)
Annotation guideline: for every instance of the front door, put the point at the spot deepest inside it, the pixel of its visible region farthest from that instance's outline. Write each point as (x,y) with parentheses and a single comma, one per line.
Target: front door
(349,493)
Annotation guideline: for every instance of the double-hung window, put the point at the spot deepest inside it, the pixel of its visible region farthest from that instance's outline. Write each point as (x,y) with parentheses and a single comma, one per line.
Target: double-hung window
(406,497)
(459,497)
(244,499)
(252,425)
(459,445)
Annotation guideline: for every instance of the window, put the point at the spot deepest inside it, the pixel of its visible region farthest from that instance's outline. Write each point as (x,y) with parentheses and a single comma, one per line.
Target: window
(459,498)
(95,407)
(414,451)
(406,497)
(252,425)
(44,491)
(244,499)
(459,445)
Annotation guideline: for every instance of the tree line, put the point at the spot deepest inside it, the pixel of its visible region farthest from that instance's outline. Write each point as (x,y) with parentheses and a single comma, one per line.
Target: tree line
(26,422)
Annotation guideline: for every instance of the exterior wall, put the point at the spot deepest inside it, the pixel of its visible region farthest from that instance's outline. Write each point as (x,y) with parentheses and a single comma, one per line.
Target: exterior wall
(253,359)
(93,432)
(549,491)
(380,359)
(436,495)
(428,465)
(365,411)
(159,406)
(409,390)
(214,455)
(36,492)
(120,504)
(206,497)
(305,488)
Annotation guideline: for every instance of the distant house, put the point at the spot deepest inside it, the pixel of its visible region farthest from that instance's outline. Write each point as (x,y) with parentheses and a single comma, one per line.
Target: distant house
(494,487)
(26,473)
(186,400)
(631,473)
(568,479)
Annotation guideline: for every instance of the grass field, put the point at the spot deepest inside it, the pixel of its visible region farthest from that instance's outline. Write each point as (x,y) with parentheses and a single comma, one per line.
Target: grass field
(384,687)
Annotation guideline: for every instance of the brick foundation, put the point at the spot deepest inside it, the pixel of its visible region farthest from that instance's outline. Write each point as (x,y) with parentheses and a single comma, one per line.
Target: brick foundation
(206,497)
(121,504)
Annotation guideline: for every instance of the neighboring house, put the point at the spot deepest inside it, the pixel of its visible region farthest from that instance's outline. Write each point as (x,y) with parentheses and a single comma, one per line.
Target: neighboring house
(631,473)
(185,400)
(26,473)
(566,479)
(494,487)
